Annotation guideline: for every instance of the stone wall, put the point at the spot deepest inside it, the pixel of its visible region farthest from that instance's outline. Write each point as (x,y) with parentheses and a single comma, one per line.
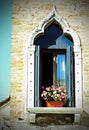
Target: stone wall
(27,15)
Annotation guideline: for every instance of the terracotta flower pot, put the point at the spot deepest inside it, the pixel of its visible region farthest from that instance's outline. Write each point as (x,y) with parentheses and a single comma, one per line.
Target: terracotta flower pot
(54,104)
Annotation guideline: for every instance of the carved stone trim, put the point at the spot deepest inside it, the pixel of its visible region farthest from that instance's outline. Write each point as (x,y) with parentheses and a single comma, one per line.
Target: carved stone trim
(54,17)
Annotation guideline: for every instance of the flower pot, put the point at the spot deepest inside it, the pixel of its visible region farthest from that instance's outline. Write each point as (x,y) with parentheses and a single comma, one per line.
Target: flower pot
(54,104)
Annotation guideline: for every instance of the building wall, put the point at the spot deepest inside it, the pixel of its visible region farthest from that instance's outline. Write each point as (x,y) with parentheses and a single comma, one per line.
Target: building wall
(26,16)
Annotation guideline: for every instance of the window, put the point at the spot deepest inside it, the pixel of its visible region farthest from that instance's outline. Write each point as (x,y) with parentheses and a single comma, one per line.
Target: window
(54,62)
(54,33)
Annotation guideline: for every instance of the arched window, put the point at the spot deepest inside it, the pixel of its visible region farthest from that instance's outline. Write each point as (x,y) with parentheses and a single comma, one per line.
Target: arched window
(54,41)
(54,62)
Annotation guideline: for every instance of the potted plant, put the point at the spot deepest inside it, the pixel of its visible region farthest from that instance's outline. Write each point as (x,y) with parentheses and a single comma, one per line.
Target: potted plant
(54,96)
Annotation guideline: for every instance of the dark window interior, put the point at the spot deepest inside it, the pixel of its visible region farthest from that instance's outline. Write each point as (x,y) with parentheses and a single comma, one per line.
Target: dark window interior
(49,37)
(47,69)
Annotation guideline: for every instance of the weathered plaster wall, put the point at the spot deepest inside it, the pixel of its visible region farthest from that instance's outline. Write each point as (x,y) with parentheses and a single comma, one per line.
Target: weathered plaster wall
(27,15)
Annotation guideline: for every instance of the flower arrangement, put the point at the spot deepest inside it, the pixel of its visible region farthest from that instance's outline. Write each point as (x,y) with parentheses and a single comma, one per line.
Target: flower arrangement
(54,93)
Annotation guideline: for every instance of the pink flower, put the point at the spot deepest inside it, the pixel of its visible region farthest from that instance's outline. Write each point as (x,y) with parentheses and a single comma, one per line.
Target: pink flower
(60,99)
(62,93)
(44,93)
(54,93)
(43,87)
(53,87)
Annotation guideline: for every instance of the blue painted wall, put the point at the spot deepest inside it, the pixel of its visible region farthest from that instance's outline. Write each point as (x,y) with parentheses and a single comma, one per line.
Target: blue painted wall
(5,47)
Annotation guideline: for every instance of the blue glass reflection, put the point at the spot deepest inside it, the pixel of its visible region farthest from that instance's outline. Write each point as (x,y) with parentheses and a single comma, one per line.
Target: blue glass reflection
(60,67)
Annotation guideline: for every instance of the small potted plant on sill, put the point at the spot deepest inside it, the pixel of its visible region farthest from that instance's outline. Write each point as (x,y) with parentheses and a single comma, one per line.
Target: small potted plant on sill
(54,96)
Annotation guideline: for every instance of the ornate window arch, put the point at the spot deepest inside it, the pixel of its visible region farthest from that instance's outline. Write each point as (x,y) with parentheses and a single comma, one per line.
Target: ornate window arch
(67,30)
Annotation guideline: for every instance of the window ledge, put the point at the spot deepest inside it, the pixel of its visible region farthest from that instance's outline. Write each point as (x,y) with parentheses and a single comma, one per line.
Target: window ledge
(63,110)
(57,110)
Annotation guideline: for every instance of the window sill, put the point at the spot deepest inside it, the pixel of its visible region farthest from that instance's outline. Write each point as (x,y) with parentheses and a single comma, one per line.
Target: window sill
(62,110)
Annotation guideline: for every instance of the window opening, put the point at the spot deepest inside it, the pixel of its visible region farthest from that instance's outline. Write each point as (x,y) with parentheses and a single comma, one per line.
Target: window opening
(54,63)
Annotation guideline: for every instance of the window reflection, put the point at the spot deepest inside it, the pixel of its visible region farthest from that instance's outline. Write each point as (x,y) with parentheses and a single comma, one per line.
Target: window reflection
(59,69)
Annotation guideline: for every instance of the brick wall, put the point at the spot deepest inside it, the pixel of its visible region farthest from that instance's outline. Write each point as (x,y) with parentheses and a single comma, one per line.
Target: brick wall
(27,15)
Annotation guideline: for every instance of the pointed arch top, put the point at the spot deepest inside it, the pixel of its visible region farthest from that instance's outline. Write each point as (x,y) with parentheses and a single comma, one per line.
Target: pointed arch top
(54,17)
